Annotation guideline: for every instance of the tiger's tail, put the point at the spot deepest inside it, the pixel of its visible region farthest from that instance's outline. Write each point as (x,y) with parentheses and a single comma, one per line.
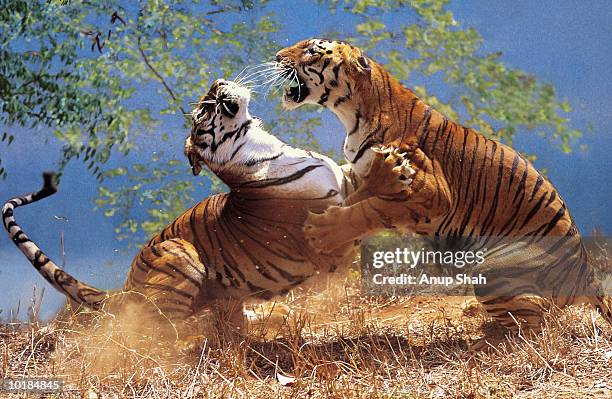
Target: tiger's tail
(75,290)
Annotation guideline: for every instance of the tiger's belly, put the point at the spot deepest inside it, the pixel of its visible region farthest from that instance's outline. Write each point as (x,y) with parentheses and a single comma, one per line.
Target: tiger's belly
(264,251)
(249,242)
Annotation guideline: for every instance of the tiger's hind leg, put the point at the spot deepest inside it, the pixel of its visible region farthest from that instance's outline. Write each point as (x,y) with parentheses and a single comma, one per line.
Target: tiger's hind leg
(513,316)
(170,275)
(163,284)
(517,313)
(524,315)
(168,287)
(511,298)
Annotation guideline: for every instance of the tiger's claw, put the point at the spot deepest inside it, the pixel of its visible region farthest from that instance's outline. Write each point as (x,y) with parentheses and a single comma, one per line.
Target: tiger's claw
(323,231)
(391,172)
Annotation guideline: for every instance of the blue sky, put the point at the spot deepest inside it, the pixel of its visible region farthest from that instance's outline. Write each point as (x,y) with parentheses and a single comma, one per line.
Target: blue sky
(564,43)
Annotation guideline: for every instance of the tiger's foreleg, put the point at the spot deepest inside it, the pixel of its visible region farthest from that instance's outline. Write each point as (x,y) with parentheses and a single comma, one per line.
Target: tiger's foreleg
(390,174)
(401,190)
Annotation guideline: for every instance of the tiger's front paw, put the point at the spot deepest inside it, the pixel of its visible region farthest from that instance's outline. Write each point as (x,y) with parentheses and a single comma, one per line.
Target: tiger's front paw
(323,231)
(391,172)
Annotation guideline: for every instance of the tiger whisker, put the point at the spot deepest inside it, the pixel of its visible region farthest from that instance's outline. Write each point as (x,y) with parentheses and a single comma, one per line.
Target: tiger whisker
(260,72)
(275,86)
(256,68)
(260,75)
(272,79)
(279,83)
(207,102)
(269,86)
(279,87)
(283,73)
(242,83)
(285,77)
(276,82)
(251,71)
(248,84)
(237,77)
(268,74)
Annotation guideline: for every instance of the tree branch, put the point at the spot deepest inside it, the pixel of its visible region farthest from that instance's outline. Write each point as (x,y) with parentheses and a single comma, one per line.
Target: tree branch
(157,74)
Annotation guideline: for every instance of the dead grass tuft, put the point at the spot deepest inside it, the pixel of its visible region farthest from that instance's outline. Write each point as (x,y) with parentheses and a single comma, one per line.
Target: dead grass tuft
(330,343)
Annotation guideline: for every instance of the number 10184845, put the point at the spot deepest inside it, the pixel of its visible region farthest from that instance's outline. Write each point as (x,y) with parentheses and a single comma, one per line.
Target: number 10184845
(31,384)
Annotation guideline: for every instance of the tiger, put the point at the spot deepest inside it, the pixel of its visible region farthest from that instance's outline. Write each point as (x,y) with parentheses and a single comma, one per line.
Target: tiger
(247,243)
(416,170)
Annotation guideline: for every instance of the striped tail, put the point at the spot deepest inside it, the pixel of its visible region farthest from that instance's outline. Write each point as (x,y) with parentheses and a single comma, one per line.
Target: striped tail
(75,290)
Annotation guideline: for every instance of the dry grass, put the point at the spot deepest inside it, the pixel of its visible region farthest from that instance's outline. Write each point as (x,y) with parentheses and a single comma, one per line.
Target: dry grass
(333,344)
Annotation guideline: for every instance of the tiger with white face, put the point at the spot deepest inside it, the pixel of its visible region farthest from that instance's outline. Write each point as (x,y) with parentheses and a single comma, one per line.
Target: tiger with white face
(247,243)
(417,170)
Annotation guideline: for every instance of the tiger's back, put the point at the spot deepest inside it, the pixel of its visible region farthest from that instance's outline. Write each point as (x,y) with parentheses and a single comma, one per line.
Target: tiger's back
(494,190)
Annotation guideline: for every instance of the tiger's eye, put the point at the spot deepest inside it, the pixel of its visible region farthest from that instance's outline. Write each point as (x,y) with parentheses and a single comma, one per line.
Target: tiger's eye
(229,108)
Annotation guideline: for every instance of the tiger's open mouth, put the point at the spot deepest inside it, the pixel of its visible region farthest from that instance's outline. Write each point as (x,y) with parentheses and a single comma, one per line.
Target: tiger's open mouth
(296,90)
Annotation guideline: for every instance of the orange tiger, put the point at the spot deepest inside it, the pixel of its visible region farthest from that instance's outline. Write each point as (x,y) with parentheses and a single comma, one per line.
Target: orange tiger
(247,243)
(416,169)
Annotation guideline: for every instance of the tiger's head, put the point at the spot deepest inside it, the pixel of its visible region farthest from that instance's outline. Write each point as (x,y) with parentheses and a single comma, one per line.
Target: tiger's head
(219,121)
(321,72)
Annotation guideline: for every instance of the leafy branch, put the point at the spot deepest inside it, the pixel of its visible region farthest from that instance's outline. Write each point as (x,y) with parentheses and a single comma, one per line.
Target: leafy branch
(158,75)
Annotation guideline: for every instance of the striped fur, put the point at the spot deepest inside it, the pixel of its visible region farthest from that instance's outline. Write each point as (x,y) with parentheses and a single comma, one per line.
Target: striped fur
(247,243)
(417,170)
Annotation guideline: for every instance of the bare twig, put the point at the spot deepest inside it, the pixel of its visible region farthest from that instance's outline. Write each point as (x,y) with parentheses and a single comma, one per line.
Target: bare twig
(157,74)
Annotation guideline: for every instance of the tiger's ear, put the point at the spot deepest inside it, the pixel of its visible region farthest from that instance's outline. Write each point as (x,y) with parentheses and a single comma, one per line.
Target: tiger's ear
(196,168)
(361,62)
(192,156)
